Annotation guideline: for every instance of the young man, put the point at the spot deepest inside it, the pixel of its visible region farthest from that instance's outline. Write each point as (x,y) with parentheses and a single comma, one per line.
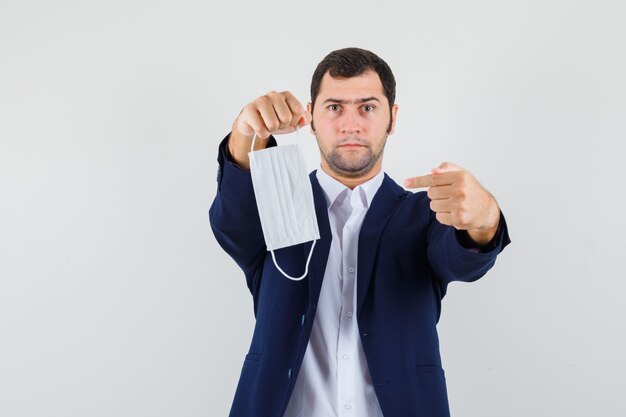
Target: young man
(358,336)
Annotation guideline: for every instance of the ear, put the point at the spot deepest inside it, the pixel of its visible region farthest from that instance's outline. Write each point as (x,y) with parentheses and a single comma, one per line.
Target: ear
(394,112)
(309,106)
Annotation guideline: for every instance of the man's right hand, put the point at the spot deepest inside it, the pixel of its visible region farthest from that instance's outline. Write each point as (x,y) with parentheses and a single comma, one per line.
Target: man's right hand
(272,113)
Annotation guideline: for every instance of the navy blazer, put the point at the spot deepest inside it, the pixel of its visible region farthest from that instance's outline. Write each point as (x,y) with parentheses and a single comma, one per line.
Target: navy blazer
(406,259)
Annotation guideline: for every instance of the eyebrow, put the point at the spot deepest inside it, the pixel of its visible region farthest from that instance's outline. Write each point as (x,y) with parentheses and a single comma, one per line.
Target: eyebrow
(361,100)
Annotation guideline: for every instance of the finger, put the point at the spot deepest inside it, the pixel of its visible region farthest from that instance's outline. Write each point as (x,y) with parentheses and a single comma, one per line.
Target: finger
(440,193)
(255,121)
(305,119)
(419,182)
(297,110)
(445,178)
(430,180)
(293,102)
(444,218)
(270,119)
(283,112)
(441,206)
(250,122)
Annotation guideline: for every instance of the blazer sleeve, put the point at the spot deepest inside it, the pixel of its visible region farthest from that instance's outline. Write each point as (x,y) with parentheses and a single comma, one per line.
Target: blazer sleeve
(234,217)
(453,259)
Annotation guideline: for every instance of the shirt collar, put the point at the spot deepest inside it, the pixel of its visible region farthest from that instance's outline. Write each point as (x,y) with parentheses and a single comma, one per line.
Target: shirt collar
(333,188)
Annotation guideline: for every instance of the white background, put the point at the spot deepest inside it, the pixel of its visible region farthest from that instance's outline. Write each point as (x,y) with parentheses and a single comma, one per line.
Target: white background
(115,299)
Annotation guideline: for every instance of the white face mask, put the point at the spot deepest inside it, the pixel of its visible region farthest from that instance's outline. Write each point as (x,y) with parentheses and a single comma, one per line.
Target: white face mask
(284,198)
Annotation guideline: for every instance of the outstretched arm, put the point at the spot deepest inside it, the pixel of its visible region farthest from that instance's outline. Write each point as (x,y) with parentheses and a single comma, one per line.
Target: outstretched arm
(467,229)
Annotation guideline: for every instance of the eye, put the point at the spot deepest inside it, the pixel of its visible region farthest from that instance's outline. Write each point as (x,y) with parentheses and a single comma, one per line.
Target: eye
(333,107)
(368,108)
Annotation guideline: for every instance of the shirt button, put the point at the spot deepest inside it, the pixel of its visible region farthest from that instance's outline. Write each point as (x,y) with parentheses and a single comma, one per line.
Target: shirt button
(347,406)
(351,269)
(345,356)
(349,314)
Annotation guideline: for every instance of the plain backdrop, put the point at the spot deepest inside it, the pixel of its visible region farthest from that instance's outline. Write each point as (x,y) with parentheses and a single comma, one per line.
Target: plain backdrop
(115,299)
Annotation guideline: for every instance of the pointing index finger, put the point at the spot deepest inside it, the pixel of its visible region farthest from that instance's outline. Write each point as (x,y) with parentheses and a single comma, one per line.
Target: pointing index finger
(419,182)
(430,180)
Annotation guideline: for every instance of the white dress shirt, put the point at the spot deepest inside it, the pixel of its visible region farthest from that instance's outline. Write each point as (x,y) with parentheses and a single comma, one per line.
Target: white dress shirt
(334,379)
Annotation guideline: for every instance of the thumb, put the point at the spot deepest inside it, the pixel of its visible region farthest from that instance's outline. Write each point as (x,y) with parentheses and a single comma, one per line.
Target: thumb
(305,119)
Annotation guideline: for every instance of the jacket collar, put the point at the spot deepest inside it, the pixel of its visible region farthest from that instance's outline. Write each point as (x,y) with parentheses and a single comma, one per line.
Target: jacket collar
(333,188)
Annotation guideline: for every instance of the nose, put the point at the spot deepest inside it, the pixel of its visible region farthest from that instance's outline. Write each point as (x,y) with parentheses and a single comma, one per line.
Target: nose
(350,123)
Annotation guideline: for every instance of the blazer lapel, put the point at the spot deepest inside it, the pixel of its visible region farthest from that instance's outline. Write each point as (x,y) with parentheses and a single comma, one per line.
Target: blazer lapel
(381,208)
(317,267)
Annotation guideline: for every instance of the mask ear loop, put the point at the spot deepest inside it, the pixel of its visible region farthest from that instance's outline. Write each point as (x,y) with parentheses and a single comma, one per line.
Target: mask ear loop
(252,144)
(306,268)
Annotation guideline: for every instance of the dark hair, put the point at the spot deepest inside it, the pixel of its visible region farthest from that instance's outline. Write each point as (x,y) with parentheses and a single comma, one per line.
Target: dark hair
(351,62)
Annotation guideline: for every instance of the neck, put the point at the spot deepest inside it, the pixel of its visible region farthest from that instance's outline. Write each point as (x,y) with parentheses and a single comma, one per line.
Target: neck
(352,182)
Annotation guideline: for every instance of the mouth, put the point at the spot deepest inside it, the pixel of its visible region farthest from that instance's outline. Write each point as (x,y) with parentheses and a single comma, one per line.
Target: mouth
(351,145)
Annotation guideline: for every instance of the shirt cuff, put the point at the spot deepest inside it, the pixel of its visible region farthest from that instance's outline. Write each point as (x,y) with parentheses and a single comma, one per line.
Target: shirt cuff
(468,243)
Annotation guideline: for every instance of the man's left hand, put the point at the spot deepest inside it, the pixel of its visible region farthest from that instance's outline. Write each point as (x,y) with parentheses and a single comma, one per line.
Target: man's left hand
(460,201)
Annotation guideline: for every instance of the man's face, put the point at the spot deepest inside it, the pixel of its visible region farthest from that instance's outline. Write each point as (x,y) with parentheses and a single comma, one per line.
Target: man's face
(350,121)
